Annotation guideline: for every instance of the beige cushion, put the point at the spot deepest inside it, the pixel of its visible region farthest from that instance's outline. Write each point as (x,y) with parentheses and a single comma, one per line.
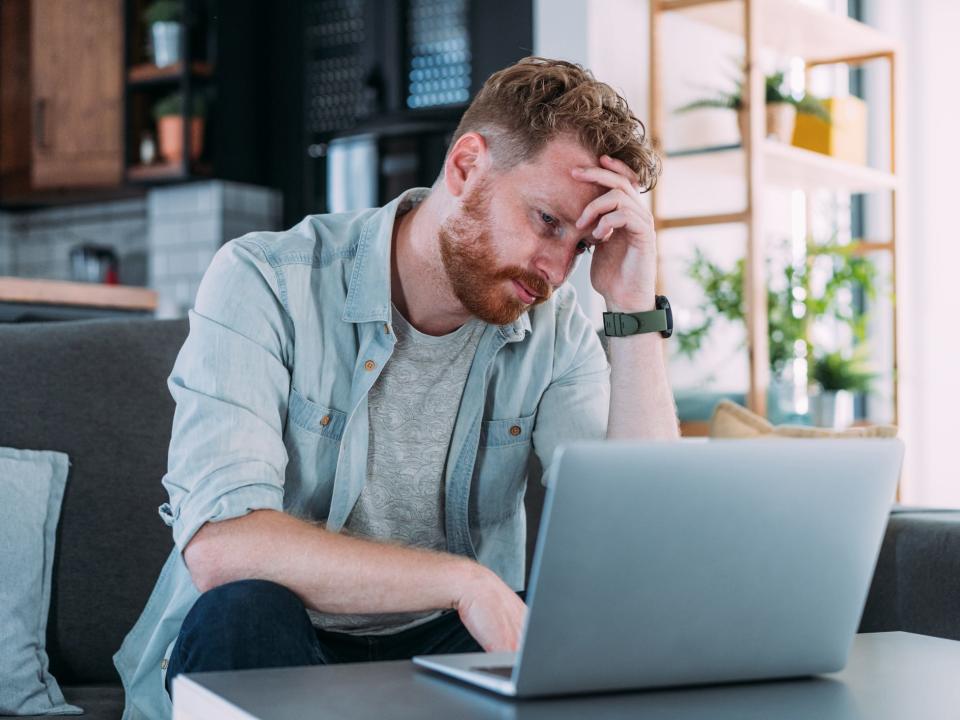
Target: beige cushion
(732,421)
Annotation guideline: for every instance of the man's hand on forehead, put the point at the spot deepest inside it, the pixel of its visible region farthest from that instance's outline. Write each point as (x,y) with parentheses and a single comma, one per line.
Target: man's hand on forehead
(624,269)
(616,175)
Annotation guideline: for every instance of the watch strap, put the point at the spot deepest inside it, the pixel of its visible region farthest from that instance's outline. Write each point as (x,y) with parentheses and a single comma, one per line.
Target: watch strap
(618,324)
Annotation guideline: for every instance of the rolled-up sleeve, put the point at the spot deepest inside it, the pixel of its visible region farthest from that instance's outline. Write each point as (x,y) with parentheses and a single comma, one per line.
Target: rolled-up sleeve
(230,383)
(576,404)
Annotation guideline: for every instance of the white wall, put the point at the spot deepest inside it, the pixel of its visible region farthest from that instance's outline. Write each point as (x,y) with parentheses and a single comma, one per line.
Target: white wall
(930,247)
(560,30)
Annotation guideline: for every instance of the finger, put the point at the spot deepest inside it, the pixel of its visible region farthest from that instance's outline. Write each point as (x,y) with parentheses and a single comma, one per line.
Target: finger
(607,202)
(610,222)
(621,167)
(633,223)
(602,176)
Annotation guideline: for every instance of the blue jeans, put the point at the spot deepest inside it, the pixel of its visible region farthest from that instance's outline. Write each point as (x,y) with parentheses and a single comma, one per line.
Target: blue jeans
(260,624)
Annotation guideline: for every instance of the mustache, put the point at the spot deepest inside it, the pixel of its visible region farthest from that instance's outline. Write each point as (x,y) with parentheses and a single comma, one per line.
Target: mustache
(540,287)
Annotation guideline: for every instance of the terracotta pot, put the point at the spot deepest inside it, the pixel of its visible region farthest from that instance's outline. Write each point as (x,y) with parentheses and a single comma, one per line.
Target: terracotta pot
(780,120)
(170,136)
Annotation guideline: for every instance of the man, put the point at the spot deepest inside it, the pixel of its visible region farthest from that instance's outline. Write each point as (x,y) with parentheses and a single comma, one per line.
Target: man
(358,397)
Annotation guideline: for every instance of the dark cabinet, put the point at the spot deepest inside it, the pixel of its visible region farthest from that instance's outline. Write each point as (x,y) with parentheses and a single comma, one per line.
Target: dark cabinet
(214,97)
(388,79)
(14,97)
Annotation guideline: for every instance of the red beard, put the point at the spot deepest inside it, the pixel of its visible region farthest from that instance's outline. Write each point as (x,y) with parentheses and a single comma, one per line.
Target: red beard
(471,265)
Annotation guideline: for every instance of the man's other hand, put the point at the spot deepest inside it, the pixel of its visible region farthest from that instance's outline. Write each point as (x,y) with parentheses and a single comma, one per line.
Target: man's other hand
(491,611)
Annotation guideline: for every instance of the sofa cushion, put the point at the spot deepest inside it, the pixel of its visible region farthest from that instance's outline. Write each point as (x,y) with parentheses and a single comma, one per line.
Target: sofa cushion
(96,390)
(732,421)
(99,702)
(31,491)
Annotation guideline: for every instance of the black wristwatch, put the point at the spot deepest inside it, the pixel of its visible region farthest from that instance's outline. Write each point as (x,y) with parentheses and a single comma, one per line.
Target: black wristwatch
(617,324)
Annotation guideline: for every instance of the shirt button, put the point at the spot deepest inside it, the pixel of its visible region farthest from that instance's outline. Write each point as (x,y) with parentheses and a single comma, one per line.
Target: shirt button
(369,365)
(325,420)
(515,430)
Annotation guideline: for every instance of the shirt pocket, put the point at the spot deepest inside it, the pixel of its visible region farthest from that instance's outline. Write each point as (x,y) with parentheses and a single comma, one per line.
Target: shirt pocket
(314,417)
(312,437)
(500,472)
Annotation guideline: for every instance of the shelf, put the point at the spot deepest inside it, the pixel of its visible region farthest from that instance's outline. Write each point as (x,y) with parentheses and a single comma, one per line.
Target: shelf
(159,172)
(49,197)
(150,74)
(58,292)
(792,28)
(786,166)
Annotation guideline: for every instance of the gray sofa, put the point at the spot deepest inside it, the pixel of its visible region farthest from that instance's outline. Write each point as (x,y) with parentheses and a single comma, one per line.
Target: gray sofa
(96,390)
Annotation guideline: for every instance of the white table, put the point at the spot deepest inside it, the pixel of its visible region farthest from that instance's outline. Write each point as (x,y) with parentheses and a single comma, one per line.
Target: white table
(890,676)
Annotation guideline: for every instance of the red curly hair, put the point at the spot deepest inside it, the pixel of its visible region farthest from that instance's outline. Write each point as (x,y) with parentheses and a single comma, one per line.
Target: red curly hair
(522,107)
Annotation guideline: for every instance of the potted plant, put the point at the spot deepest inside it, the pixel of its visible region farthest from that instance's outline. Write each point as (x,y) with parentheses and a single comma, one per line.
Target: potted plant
(791,308)
(838,376)
(781,107)
(165,20)
(169,114)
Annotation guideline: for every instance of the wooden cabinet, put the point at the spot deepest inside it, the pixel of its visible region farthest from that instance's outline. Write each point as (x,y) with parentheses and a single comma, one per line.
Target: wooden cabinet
(61,98)
(77,92)
(14,97)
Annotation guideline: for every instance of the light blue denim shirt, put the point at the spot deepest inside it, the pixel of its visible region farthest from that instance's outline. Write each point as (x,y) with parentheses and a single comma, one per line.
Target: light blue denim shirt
(288,333)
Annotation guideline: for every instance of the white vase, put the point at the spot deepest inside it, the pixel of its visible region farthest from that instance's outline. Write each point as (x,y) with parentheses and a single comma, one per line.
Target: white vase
(781,119)
(832,409)
(166,42)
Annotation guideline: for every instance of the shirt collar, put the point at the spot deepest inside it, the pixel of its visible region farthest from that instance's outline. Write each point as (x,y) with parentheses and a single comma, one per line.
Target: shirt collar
(368,294)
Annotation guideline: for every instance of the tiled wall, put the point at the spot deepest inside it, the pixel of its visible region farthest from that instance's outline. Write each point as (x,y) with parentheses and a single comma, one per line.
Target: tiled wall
(39,241)
(164,241)
(188,223)
(6,246)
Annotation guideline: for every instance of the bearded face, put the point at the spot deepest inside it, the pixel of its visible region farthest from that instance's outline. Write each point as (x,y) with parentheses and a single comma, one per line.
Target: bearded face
(494,294)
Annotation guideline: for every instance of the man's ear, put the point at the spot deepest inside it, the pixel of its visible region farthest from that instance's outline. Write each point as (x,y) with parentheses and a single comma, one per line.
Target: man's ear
(467,161)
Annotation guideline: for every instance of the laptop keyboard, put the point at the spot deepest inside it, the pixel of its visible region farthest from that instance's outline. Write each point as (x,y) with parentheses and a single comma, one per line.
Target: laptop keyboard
(501,670)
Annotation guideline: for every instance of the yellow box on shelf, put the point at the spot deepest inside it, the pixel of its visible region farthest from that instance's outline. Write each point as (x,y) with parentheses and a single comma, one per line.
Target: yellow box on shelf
(844,137)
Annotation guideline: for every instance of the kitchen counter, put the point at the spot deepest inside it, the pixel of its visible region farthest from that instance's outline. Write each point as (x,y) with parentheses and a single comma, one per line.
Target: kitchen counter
(28,299)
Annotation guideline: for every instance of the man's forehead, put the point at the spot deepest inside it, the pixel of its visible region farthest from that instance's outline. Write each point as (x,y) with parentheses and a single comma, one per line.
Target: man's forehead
(551,179)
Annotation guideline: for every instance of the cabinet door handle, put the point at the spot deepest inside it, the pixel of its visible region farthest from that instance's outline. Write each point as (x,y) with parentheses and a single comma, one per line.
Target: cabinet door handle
(40,123)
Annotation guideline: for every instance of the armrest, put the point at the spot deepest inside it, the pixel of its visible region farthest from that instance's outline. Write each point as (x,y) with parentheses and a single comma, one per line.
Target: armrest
(916,585)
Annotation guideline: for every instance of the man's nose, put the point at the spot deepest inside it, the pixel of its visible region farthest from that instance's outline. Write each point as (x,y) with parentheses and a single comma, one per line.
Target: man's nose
(553,265)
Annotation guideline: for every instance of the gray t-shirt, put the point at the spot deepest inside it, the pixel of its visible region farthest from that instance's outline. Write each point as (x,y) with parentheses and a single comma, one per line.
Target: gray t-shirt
(413,408)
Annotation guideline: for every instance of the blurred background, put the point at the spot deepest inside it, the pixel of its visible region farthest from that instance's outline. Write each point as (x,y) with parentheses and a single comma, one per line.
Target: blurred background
(807,237)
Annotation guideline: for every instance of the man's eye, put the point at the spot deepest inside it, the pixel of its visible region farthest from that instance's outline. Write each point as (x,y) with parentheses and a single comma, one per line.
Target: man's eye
(582,247)
(548,219)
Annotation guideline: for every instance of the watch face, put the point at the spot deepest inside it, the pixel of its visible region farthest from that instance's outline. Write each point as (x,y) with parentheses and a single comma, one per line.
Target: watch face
(664,304)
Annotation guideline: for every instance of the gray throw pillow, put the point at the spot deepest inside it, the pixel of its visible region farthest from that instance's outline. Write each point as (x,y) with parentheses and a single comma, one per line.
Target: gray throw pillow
(31,489)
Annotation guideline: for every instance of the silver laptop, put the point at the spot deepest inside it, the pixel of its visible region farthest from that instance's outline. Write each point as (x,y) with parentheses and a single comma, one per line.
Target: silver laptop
(693,562)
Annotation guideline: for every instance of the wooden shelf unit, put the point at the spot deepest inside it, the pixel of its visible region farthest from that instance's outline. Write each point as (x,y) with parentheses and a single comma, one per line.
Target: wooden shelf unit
(788,28)
(150,74)
(791,28)
(787,166)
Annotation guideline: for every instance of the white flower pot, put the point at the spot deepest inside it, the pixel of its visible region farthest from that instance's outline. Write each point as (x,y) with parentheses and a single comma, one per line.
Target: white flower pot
(780,119)
(832,409)
(166,42)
